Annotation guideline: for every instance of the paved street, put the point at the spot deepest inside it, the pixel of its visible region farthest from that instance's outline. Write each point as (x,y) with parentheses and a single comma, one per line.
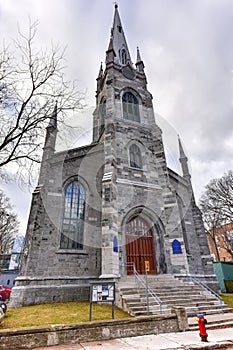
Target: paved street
(218,339)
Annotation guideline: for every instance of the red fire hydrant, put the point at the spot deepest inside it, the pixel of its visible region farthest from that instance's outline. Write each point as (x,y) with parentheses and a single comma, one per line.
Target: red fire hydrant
(201,323)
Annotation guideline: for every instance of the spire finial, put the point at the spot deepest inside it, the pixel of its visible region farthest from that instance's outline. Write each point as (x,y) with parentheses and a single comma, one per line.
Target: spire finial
(139,62)
(138,55)
(116,5)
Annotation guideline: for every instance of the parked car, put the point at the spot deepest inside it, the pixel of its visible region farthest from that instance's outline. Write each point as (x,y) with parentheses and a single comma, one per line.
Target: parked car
(5,292)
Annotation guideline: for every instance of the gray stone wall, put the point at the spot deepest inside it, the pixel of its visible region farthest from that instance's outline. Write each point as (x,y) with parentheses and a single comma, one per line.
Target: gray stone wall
(29,338)
(68,271)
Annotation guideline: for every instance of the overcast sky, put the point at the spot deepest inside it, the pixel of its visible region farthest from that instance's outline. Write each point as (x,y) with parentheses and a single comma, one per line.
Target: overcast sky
(187,49)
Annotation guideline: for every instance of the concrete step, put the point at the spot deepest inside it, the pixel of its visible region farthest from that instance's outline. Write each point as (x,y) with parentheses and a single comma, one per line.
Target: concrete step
(131,300)
(222,320)
(191,311)
(161,291)
(171,292)
(206,306)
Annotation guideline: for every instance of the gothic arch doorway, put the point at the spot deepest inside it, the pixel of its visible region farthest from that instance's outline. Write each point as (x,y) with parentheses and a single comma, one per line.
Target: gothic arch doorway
(140,246)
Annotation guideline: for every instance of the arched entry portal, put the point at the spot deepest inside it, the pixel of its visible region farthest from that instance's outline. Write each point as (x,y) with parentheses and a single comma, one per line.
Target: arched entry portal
(140,246)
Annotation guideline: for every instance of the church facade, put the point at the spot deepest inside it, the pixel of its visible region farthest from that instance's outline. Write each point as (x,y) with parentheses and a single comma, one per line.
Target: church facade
(102,210)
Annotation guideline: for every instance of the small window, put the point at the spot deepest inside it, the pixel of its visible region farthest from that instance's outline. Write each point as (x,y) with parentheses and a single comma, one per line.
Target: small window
(176,247)
(115,244)
(102,115)
(123,56)
(135,157)
(130,107)
(73,217)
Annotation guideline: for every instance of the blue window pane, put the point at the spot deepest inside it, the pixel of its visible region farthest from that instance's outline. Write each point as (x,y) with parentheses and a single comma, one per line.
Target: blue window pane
(176,247)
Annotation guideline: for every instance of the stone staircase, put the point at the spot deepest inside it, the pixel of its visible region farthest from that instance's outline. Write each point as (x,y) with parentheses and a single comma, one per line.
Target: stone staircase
(170,291)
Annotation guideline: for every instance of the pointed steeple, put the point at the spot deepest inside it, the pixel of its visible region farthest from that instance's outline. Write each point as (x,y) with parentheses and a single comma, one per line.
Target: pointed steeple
(118,45)
(100,77)
(53,119)
(139,63)
(51,132)
(100,71)
(49,145)
(183,161)
(110,53)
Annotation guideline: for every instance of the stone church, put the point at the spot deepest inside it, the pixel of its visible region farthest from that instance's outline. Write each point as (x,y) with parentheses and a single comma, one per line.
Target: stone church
(102,210)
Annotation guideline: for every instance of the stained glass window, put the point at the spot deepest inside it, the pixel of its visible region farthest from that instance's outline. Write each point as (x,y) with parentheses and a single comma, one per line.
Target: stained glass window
(73,219)
(138,227)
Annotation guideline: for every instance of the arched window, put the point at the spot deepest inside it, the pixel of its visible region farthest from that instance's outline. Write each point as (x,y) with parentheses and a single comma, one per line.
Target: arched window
(130,107)
(73,218)
(135,157)
(123,56)
(137,226)
(102,115)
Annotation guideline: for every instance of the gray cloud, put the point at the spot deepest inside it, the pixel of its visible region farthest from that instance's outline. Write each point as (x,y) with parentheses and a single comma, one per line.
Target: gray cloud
(187,50)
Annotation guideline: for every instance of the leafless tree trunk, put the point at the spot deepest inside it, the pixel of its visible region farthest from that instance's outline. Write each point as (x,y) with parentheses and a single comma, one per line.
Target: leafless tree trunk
(30,86)
(8,225)
(216,205)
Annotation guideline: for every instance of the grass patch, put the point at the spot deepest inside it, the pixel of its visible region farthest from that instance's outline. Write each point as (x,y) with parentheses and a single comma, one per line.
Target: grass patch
(228,299)
(58,313)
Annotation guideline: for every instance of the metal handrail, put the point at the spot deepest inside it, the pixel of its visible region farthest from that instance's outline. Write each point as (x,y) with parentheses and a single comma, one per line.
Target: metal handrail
(147,288)
(205,286)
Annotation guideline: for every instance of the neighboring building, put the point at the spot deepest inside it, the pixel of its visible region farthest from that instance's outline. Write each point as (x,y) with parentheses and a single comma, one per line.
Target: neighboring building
(16,253)
(100,208)
(4,261)
(221,243)
(7,277)
(10,263)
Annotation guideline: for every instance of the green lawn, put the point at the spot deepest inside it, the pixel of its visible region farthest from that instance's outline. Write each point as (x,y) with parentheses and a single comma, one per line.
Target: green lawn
(228,299)
(58,313)
(65,313)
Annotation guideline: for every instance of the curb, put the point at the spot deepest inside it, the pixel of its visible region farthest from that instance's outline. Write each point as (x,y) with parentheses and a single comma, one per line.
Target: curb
(219,345)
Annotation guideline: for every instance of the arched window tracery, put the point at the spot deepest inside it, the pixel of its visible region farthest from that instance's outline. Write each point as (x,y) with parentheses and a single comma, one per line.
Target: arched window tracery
(73,217)
(135,157)
(130,107)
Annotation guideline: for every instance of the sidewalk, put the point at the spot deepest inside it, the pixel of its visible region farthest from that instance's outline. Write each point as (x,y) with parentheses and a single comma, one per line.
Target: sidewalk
(217,339)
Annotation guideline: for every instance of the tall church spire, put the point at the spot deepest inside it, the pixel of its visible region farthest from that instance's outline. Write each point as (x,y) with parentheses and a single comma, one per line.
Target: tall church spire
(118,45)
(183,161)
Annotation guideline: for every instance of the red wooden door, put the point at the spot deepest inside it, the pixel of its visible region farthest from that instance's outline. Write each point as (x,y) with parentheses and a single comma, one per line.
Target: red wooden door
(140,246)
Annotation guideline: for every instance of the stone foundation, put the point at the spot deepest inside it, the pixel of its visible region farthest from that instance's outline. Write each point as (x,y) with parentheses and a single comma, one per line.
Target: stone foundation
(32,290)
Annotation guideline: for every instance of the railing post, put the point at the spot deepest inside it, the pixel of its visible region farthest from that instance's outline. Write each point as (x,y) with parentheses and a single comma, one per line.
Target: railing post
(147,296)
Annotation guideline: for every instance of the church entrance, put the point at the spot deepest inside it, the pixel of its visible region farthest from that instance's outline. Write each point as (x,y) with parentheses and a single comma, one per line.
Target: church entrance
(140,246)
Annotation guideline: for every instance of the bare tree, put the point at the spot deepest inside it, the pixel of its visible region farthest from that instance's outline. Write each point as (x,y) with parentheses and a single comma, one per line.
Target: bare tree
(32,81)
(8,225)
(216,205)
